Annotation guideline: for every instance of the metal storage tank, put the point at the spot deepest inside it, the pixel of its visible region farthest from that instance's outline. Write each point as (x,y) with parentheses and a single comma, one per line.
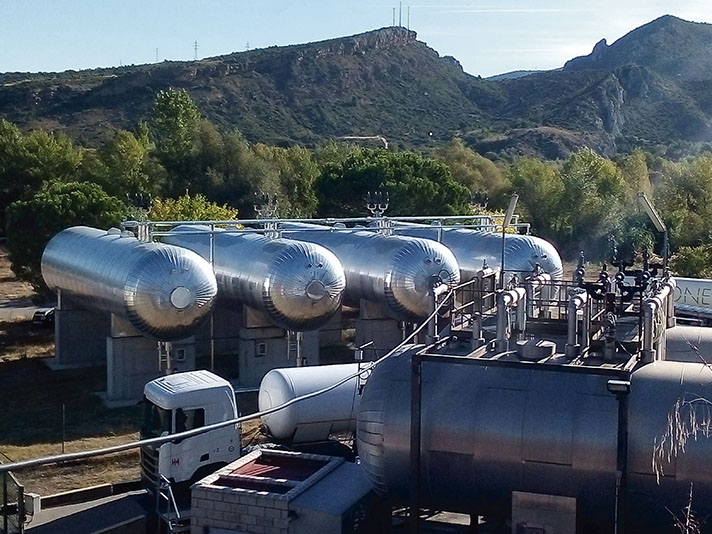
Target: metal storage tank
(397,271)
(298,286)
(313,419)
(488,430)
(165,292)
(472,247)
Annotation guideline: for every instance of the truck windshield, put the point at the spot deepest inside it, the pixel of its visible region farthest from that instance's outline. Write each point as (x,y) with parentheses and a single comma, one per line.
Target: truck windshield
(156,420)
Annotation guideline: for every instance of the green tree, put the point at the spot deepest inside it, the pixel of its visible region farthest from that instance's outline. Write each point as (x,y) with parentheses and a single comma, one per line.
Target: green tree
(540,188)
(190,208)
(593,201)
(33,222)
(175,126)
(693,261)
(475,172)
(125,166)
(26,162)
(685,200)
(417,185)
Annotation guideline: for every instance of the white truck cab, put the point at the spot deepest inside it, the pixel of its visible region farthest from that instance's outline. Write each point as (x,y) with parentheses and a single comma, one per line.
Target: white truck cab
(185,401)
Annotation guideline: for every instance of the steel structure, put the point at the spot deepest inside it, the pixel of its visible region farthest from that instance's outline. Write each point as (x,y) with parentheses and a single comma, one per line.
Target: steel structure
(396,271)
(165,292)
(297,285)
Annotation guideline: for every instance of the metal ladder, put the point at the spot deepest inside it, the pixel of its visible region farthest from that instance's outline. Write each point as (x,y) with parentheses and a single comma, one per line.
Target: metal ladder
(164,356)
(171,517)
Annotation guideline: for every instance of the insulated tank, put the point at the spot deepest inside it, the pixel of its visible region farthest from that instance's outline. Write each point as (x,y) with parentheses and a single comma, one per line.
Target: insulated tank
(297,285)
(165,292)
(472,247)
(397,271)
(312,419)
(492,428)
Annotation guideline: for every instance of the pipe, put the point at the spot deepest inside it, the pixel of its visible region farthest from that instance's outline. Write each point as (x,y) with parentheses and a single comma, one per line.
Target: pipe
(539,281)
(661,300)
(577,301)
(477,339)
(671,321)
(506,300)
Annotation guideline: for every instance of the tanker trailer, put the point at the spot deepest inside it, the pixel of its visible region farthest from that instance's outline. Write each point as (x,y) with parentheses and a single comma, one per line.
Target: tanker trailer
(471,247)
(312,419)
(493,429)
(297,285)
(165,292)
(396,271)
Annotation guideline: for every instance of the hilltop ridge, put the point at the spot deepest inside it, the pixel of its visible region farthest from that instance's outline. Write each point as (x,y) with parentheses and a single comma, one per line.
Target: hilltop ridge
(651,86)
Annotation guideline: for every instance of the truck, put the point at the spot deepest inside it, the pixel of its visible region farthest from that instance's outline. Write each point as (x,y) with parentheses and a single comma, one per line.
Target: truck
(186,401)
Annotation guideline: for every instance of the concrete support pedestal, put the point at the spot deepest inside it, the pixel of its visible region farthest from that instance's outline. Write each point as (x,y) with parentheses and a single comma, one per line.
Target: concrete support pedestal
(256,344)
(375,325)
(132,360)
(80,335)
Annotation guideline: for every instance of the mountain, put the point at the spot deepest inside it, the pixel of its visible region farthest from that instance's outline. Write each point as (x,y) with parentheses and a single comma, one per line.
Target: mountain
(651,87)
(668,45)
(512,74)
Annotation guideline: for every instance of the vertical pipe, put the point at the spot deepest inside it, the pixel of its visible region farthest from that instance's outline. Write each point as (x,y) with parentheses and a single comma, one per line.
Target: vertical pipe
(416,384)
(4,502)
(621,461)
(212,311)
(298,341)
(64,421)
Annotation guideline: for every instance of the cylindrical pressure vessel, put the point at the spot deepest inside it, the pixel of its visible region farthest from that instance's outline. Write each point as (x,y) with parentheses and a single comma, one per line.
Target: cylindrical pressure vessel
(396,271)
(312,419)
(297,285)
(473,247)
(489,429)
(165,292)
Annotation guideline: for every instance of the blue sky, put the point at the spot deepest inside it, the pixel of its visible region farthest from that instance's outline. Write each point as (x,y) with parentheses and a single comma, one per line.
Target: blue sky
(487,37)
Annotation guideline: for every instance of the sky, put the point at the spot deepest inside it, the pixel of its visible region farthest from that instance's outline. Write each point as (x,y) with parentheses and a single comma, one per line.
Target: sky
(487,38)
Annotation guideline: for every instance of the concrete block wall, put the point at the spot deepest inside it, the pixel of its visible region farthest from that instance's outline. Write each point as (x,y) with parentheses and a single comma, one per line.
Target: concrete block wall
(237,510)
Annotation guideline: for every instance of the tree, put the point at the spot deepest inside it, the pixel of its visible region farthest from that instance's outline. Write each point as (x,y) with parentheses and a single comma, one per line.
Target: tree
(190,208)
(125,166)
(685,200)
(540,187)
(593,198)
(417,185)
(475,172)
(693,261)
(26,162)
(175,126)
(33,222)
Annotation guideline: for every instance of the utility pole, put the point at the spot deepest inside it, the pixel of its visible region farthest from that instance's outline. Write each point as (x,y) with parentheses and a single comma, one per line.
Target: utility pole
(400,13)
(394,16)
(195,49)
(408,18)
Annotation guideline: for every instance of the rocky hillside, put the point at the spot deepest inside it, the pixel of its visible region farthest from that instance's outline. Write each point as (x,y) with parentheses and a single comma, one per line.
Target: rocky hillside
(652,86)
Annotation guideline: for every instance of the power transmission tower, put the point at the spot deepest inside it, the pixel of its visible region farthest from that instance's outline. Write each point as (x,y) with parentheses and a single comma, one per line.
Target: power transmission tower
(156,55)
(247,46)
(195,48)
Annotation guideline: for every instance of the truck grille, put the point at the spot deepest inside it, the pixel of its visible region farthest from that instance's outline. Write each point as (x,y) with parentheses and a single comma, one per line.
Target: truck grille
(149,466)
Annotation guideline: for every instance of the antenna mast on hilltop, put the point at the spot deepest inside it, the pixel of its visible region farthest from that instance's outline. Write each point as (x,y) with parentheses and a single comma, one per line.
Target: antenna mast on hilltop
(400,13)
(156,55)
(394,16)
(195,49)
